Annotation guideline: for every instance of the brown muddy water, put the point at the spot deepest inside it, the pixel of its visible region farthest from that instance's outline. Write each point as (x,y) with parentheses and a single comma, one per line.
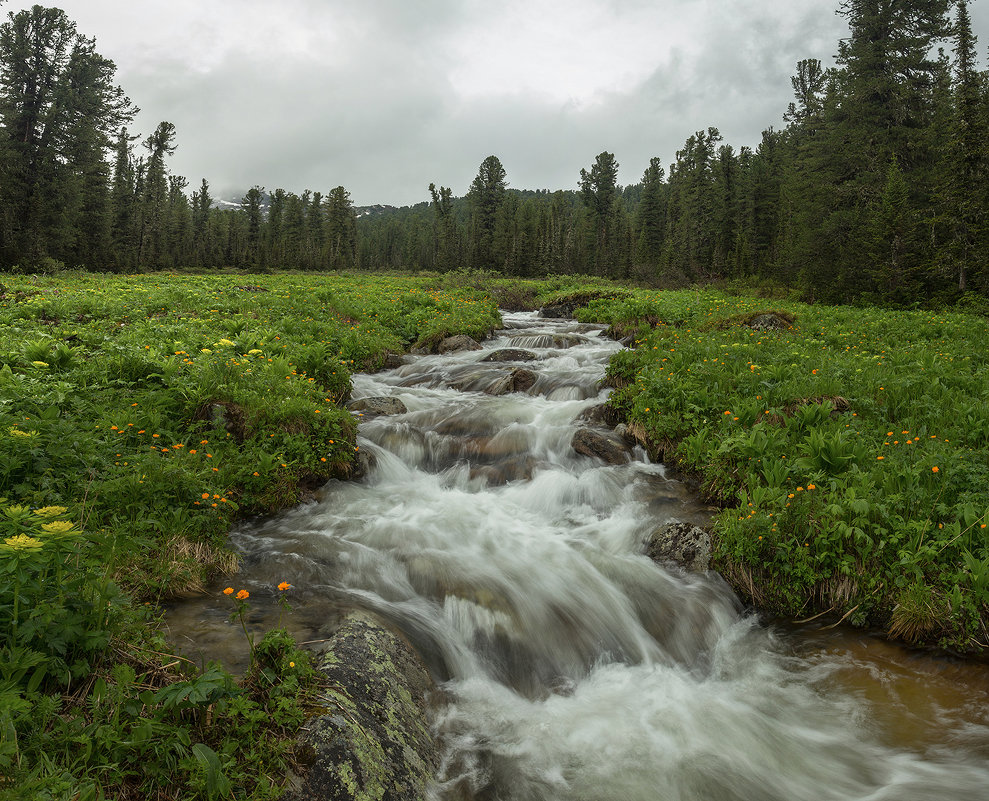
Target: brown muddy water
(574,667)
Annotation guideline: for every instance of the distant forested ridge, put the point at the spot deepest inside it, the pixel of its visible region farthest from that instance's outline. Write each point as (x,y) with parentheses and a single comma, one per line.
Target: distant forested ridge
(873,190)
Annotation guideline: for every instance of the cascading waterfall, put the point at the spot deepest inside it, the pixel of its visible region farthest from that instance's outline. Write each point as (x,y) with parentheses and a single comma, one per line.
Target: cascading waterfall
(573,666)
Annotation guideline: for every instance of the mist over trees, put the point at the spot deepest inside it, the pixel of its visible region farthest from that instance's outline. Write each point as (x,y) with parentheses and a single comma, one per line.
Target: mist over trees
(874,189)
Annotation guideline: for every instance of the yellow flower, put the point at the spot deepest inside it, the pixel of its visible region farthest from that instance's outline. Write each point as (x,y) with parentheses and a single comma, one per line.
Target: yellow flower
(40,364)
(22,543)
(50,511)
(225,342)
(58,527)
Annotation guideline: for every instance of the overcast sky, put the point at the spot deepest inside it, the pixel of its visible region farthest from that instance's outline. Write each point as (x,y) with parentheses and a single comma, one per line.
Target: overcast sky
(386,96)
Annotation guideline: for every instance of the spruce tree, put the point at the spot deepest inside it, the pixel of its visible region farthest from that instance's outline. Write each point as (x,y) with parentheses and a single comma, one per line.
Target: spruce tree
(341,230)
(650,222)
(598,190)
(59,112)
(486,194)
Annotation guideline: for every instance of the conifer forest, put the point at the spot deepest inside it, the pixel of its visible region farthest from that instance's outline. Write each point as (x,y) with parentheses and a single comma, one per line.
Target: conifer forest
(869,188)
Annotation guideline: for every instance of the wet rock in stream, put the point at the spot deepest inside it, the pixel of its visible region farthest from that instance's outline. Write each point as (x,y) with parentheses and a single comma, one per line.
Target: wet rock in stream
(601,414)
(510,355)
(457,343)
(605,445)
(495,383)
(374,740)
(381,405)
(682,544)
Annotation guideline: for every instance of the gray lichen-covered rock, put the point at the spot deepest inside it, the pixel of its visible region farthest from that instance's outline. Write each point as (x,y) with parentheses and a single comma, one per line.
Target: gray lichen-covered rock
(378,405)
(373,742)
(684,544)
(510,355)
(604,445)
(769,322)
(457,343)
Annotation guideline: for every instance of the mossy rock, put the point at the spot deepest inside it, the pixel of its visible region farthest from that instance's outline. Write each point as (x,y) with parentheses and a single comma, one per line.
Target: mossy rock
(763,320)
(373,742)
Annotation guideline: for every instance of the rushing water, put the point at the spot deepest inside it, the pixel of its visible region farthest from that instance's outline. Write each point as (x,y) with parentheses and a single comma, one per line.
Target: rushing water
(574,668)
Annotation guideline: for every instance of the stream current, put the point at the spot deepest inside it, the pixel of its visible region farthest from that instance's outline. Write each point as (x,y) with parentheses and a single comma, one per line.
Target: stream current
(574,668)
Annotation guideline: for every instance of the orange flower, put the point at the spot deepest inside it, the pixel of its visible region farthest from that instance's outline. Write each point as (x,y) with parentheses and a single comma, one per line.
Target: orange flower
(284,586)
(228,591)
(243,595)
(205,495)
(934,469)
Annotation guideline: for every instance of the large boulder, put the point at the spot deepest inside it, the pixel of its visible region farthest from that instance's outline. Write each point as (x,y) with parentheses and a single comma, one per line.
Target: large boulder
(374,739)
(605,445)
(457,343)
(377,405)
(683,544)
(510,355)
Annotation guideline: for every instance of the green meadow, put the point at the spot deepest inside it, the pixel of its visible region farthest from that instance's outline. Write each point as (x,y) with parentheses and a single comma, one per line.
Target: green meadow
(848,449)
(140,416)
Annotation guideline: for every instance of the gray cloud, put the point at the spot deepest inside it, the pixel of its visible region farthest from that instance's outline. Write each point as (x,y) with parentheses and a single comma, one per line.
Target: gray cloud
(386,96)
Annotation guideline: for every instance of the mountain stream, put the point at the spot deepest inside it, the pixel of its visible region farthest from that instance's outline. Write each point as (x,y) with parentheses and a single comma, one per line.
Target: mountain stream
(573,667)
